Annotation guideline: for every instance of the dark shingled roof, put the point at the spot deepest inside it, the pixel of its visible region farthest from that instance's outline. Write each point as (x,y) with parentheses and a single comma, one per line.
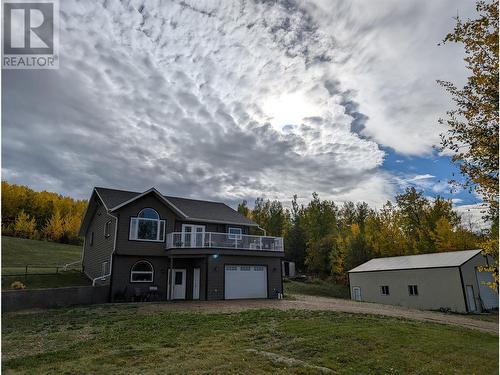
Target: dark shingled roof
(193,208)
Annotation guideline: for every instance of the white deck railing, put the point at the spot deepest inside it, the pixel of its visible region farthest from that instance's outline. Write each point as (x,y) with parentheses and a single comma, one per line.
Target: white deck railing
(180,240)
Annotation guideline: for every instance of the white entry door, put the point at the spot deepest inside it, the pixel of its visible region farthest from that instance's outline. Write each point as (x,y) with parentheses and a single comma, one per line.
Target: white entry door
(196,283)
(470,298)
(179,284)
(356,293)
(193,235)
(242,281)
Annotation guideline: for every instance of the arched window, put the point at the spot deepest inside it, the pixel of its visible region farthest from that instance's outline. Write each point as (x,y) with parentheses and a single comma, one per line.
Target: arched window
(147,226)
(142,272)
(149,213)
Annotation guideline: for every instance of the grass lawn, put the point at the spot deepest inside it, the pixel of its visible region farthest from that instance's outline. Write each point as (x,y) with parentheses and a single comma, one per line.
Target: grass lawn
(121,338)
(61,279)
(20,251)
(17,252)
(316,288)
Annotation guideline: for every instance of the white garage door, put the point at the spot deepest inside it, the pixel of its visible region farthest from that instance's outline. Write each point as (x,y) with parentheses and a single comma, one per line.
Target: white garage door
(245,282)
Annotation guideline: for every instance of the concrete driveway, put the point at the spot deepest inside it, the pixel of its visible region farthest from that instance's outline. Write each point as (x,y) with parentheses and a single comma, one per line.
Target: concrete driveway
(302,302)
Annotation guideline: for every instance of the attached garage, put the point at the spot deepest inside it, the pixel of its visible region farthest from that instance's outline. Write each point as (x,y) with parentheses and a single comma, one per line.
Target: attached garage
(449,280)
(245,281)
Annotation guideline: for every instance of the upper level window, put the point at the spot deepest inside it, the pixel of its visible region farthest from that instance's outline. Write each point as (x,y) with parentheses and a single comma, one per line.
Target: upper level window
(107,229)
(147,226)
(141,272)
(384,290)
(234,233)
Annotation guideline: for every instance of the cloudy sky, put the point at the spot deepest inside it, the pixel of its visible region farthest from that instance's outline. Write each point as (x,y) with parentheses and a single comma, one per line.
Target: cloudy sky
(232,100)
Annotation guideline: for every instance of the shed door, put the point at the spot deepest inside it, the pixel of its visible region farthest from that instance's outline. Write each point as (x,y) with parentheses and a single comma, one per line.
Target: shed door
(242,281)
(356,293)
(488,296)
(470,298)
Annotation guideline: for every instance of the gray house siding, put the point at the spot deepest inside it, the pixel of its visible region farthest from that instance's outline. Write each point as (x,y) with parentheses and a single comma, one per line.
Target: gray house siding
(211,275)
(127,252)
(99,251)
(215,279)
(124,246)
(122,287)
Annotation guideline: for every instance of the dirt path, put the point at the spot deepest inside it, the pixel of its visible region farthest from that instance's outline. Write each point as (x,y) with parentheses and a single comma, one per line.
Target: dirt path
(302,302)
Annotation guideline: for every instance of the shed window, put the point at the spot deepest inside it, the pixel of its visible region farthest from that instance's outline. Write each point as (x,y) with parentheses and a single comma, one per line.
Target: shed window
(412,290)
(234,233)
(384,289)
(147,226)
(91,239)
(142,272)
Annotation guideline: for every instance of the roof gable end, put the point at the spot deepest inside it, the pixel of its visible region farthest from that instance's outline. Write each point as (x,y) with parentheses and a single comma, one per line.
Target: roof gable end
(158,194)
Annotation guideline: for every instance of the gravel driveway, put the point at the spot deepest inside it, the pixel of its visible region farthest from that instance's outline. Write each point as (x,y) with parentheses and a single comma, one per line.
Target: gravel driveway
(301,302)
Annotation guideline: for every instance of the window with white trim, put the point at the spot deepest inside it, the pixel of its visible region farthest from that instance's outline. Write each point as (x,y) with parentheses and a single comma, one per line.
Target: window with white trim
(384,289)
(412,290)
(234,233)
(142,272)
(104,268)
(147,226)
(107,229)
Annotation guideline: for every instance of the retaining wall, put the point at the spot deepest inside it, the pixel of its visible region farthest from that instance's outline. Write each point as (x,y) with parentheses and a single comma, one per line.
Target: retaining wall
(13,300)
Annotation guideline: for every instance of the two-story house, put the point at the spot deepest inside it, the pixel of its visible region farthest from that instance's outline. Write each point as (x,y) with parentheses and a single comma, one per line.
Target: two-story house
(148,246)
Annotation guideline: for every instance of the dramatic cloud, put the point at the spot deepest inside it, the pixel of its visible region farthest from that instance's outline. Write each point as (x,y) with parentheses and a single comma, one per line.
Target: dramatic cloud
(230,100)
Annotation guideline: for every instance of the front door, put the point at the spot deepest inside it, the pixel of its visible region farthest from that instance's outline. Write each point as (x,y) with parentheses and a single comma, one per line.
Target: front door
(356,293)
(192,235)
(470,298)
(179,284)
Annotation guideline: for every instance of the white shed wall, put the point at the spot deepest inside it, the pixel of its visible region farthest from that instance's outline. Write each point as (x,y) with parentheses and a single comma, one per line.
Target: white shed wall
(437,288)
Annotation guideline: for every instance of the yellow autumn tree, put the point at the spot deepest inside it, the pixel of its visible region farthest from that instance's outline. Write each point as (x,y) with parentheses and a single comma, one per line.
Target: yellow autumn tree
(54,229)
(24,226)
(472,126)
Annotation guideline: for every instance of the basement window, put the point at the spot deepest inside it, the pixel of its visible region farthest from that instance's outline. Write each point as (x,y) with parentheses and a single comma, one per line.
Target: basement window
(384,289)
(412,290)
(142,272)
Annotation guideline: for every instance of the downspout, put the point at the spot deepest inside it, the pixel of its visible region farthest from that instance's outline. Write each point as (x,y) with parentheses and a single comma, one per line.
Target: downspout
(262,229)
(112,253)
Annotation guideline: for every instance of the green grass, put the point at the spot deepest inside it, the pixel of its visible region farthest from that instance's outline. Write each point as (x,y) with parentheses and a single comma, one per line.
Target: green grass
(316,288)
(118,339)
(61,279)
(44,258)
(20,251)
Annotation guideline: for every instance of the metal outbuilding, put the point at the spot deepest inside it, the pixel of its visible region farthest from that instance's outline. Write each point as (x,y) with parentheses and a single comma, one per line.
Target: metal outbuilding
(449,280)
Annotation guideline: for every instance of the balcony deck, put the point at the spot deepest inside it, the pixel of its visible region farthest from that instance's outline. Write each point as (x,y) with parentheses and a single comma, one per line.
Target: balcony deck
(190,240)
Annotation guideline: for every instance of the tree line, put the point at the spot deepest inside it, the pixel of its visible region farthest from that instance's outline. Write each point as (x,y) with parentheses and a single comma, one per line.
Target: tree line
(326,240)
(40,215)
(323,238)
